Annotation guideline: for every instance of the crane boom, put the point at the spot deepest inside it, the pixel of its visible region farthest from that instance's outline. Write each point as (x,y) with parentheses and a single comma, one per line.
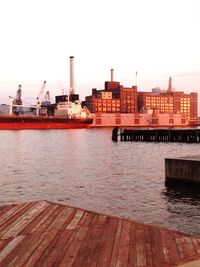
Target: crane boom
(41,93)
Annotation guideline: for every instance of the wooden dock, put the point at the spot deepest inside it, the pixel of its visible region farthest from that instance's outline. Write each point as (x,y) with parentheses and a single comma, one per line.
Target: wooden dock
(47,234)
(158,135)
(183,169)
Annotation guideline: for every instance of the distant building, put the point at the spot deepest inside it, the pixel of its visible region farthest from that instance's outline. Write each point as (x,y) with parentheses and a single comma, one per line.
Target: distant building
(113,99)
(116,98)
(168,102)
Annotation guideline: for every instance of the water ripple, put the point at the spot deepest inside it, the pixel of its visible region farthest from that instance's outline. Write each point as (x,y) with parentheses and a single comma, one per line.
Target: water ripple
(85,168)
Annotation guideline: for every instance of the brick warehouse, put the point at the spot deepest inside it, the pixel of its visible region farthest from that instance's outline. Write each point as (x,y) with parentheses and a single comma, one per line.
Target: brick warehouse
(116,98)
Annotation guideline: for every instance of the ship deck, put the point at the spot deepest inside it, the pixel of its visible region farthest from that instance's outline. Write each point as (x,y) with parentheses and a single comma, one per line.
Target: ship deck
(48,234)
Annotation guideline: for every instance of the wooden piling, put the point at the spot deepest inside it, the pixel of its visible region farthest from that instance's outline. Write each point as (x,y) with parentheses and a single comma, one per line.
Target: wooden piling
(115,134)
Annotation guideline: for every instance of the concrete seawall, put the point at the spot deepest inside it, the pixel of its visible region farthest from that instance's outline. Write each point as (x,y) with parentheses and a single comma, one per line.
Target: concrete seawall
(184,169)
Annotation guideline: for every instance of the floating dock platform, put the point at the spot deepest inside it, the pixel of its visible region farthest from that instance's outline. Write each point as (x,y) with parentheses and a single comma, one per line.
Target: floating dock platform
(47,234)
(183,169)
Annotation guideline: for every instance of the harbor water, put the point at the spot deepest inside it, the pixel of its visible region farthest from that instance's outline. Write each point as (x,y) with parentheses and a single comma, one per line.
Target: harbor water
(84,168)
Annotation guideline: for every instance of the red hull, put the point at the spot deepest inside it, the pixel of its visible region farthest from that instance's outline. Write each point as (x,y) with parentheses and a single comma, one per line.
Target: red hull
(41,123)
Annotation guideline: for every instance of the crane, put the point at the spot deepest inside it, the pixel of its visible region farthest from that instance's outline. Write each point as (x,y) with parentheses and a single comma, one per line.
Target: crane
(41,93)
(46,101)
(18,100)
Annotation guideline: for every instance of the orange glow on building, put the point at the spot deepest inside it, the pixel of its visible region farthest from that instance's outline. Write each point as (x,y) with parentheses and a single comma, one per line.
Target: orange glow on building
(172,103)
(113,99)
(116,98)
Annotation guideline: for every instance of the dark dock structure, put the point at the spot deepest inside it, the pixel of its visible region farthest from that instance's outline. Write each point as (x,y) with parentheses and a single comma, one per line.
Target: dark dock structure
(48,234)
(158,135)
(183,169)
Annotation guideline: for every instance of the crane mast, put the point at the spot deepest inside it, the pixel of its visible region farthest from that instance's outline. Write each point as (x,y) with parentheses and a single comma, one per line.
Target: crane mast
(18,100)
(46,100)
(41,93)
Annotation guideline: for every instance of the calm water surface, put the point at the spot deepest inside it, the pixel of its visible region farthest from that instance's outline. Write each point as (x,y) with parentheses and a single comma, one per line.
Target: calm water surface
(84,168)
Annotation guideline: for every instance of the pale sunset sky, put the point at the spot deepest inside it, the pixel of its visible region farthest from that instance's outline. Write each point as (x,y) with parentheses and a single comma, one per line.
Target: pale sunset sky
(156,38)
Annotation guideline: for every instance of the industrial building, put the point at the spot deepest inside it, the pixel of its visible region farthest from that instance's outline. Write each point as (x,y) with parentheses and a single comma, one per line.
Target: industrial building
(116,98)
(170,101)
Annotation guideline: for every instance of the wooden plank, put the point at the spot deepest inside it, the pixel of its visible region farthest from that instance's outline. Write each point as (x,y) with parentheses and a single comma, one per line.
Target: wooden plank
(57,242)
(179,243)
(189,249)
(55,227)
(91,242)
(76,219)
(20,259)
(172,247)
(124,246)
(10,246)
(164,245)
(132,246)
(103,253)
(3,243)
(85,245)
(196,244)
(156,245)
(140,249)
(60,220)
(6,210)
(147,237)
(47,224)
(23,221)
(37,253)
(9,217)
(57,252)
(74,247)
(123,249)
(91,246)
(35,224)
(16,217)
(18,250)
(99,220)
(185,246)
(64,242)
(113,259)
(87,219)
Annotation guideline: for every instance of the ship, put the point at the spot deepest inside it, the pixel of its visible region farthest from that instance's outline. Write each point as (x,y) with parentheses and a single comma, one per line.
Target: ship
(64,115)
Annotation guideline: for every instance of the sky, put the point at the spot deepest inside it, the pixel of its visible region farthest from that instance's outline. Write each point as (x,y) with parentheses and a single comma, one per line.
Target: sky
(156,38)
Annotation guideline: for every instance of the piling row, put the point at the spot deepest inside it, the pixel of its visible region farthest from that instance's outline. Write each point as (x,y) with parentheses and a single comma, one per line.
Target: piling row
(161,135)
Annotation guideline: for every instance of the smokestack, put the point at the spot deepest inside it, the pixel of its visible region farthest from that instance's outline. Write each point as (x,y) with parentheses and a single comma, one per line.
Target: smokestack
(71,89)
(170,85)
(112,75)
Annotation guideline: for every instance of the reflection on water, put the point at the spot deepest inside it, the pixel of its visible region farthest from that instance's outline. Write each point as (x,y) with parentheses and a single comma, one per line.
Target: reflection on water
(183,202)
(85,168)
(182,192)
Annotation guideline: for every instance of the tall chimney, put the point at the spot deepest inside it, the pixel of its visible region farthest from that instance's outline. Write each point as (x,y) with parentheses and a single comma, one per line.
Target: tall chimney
(71,89)
(112,75)
(170,85)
